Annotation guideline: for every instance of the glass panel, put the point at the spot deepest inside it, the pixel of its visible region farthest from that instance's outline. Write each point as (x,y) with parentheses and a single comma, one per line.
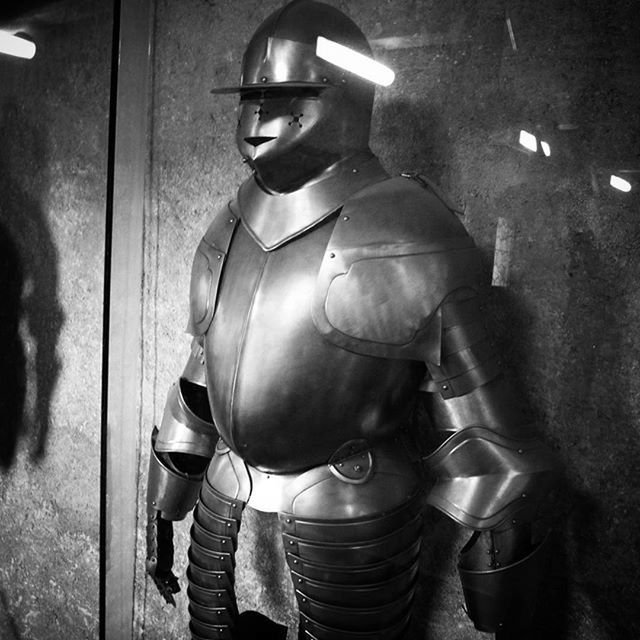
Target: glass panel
(526,115)
(53,159)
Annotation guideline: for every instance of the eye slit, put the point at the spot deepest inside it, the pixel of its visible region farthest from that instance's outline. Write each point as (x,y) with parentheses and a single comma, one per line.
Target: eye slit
(278,93)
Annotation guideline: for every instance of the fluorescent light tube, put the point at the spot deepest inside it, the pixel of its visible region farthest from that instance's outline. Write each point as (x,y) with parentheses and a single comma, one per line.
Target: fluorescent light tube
(16,46)
(351,60)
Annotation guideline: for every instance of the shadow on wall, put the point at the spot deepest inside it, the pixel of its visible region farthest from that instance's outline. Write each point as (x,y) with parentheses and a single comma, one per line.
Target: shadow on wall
(30,314)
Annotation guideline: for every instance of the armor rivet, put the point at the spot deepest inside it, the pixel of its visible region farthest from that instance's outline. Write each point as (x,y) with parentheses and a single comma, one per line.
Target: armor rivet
(357,467)
(332,255)
(345,218)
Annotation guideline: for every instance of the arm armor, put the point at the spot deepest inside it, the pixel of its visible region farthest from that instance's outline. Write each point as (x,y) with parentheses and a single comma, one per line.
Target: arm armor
(180,451)
(399,280)
(183,445)
(492,474)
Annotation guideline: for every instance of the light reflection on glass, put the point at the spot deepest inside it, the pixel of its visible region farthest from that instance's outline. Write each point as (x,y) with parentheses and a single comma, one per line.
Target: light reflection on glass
(353,61)
(16,46)
(620,183)
(528,140)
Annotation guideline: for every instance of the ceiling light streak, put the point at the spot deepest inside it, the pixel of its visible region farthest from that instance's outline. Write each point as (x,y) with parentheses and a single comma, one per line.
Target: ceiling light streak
(351,60)
(16,46)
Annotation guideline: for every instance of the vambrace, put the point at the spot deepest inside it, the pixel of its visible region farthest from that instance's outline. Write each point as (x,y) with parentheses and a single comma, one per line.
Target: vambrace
(180,451)
(184,444)
(171,491)
(500,574)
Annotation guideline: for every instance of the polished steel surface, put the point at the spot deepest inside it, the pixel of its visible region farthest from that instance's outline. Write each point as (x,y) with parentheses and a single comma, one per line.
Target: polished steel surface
(344,574)
(395,254)
(314,630)
(483,478)
(207,270)
(273,220)
(282,50)
(299,114)
(282,397)
(194,370)
(321,529)
(361,549)
(504,598)
(168,492)
(228,475)
(493,405)
(214,536)
(181,430)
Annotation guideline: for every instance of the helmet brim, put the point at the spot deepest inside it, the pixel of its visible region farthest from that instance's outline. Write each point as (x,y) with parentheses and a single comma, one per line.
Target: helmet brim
(271,85)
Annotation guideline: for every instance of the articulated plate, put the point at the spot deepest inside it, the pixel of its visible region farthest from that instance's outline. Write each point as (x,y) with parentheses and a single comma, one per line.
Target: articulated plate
(357,575)
(484,478)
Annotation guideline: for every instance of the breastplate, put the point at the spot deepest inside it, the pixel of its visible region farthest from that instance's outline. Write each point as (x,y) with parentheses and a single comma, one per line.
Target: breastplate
(282,396)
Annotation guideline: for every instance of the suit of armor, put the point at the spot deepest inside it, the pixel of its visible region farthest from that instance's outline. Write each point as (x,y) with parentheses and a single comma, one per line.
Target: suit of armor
(327,299)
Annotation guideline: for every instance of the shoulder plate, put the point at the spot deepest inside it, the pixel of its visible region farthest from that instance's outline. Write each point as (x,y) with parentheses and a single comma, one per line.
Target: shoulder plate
(207,269)
(483,478)
(396,252)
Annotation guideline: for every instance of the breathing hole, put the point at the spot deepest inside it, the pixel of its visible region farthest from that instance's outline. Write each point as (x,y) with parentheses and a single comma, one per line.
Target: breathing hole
(296,119)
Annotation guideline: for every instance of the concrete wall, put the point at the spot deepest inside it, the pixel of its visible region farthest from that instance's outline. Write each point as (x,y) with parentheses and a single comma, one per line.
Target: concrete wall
(53,150)
(566,318)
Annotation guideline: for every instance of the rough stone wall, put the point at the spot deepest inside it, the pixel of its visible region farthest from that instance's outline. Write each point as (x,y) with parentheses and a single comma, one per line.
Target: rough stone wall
(53,151)
(566,318)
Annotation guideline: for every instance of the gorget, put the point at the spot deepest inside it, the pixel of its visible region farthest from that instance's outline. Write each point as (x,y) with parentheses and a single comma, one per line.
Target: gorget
(274,219)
